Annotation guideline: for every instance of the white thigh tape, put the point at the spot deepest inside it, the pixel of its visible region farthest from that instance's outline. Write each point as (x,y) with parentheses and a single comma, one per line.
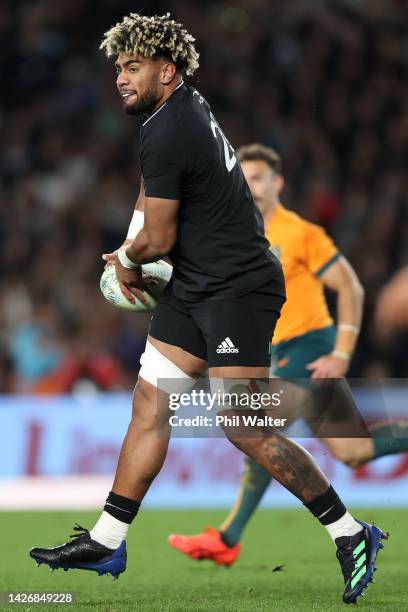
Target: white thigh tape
(162,373)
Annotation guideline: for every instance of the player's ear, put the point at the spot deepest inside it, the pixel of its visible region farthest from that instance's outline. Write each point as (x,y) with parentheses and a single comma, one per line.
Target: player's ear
(279,182)
(167,73)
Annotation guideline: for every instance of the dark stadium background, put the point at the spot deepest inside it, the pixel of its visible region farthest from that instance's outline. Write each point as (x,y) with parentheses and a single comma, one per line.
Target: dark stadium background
(323,82)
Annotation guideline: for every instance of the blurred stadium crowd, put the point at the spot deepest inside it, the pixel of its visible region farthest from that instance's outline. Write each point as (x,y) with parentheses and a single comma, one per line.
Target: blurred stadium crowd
(323,82)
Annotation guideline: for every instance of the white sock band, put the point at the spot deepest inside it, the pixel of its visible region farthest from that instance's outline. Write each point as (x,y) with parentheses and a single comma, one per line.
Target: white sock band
(345,526)
(109,531)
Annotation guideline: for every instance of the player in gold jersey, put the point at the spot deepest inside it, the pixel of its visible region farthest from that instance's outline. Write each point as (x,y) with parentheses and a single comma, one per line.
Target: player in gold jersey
(306,343)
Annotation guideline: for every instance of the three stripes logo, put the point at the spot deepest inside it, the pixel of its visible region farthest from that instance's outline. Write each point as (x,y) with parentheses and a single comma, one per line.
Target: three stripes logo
(360,559)
(227,346)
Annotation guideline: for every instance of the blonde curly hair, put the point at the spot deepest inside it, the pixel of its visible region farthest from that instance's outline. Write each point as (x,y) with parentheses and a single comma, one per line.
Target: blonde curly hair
(152,37)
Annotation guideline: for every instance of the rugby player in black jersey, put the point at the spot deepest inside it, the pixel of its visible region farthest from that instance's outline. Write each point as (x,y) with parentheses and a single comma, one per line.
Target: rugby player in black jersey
(220,308)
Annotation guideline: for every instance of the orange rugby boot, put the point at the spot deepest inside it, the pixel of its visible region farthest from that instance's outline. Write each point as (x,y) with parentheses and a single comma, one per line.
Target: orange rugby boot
(206,545)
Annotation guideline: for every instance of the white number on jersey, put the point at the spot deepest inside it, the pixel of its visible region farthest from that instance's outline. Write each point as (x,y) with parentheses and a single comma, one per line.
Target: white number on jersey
(229,153)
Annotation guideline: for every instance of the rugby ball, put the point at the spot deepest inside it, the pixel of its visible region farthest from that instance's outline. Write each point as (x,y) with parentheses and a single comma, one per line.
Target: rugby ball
(160,270)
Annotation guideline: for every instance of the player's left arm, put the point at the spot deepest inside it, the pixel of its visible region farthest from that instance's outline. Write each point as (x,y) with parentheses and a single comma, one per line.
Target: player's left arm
(342,279)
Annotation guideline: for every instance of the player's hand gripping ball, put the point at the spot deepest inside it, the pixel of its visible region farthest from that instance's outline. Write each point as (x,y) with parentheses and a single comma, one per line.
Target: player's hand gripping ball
(160,271)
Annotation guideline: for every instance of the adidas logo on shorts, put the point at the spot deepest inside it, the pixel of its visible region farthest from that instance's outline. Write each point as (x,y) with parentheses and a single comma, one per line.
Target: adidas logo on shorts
(227,346)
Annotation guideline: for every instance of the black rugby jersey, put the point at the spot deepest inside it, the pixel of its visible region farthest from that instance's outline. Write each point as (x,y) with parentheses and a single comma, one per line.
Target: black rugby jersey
(220,250)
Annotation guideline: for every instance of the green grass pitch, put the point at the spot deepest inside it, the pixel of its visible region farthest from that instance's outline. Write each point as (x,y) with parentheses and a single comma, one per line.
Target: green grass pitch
(159,578)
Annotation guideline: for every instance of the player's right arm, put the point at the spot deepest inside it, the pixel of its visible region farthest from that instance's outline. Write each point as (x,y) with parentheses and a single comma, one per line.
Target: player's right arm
(132,282)
(135,226)
(140,200)
(342,279)
(137,220)
(153,229)
(336,274)
(159,232)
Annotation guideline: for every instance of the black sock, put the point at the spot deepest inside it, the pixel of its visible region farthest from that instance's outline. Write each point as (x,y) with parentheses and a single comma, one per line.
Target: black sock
(122,508)
(327,508)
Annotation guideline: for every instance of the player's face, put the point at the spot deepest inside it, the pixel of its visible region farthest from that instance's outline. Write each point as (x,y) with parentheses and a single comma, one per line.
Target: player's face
(264,183)
(138,83)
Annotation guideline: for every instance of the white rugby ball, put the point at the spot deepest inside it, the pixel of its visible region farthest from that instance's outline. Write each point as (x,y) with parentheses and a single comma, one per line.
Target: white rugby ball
(160,270)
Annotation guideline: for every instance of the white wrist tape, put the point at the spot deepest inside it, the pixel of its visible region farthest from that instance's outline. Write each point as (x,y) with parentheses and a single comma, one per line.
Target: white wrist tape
(125,261)
(341,355)
(136,224)
(351,328)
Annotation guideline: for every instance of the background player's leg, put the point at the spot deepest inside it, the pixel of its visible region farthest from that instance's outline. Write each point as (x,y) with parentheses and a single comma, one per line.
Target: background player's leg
(350,451)
(389,438)
(254,482)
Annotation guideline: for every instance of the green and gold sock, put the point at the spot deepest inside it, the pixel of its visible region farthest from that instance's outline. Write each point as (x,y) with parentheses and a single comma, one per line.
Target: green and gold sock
(390,439)
(254,482)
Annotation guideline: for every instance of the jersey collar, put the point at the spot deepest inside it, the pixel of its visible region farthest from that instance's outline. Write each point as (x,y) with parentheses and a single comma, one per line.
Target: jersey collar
(162,106)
